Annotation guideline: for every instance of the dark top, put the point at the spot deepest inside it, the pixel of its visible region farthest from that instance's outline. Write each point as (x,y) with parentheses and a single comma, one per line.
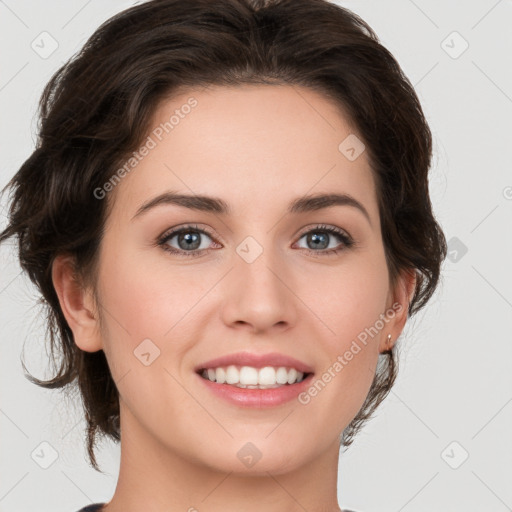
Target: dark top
(96,507)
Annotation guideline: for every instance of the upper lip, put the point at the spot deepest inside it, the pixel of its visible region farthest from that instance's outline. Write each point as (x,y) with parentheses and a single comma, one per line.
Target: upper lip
(256,361)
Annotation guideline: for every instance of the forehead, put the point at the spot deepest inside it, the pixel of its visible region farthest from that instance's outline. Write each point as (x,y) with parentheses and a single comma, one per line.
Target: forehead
(254,145)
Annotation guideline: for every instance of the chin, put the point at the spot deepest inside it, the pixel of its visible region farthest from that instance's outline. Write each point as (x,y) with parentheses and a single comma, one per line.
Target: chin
(256,456)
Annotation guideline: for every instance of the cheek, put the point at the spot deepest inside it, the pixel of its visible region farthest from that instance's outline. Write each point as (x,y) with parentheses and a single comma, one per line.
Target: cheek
(149,307)
(147,299)
(349,299)
(351,303)
(141,305)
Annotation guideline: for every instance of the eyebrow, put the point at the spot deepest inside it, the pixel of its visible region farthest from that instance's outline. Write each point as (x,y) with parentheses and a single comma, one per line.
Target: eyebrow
(216,205)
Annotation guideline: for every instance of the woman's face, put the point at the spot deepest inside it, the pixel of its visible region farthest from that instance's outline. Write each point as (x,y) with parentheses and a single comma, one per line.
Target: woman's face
(259,279)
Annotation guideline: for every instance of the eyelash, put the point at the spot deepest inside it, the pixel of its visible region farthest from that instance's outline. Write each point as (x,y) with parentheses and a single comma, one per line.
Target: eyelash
(347,240)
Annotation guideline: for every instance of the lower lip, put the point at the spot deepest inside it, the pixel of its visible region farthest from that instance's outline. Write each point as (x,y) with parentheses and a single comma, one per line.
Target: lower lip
(259,398)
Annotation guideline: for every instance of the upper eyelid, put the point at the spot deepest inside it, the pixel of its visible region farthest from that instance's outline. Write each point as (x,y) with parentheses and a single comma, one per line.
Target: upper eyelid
(169,233)
(326,227)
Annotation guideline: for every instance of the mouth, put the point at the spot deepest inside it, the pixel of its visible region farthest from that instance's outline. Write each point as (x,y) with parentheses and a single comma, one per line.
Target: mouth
(246,377)
(259,396)
(250,379)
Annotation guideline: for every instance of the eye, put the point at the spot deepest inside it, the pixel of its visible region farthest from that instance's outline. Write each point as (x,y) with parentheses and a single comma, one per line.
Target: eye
(188,240)
(321,236)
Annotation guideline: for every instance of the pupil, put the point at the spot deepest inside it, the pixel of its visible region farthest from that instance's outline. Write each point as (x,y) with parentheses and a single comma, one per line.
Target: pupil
(189,238)
(317,238)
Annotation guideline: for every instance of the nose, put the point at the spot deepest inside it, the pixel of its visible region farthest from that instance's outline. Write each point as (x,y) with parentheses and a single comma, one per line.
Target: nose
(260,296)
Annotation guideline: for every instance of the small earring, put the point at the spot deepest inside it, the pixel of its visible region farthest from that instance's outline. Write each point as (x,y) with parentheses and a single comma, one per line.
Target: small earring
(389,340)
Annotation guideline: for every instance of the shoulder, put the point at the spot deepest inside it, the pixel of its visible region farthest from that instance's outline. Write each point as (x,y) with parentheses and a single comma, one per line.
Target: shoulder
(96,507)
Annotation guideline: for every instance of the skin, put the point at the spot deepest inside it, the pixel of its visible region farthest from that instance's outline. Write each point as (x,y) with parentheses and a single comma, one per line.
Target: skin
(257,147)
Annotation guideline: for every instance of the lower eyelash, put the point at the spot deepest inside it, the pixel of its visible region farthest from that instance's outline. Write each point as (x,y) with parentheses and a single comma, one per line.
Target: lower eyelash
(346,240)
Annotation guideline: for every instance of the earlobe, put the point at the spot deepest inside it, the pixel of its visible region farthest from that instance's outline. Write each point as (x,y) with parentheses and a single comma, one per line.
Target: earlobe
(77,305)
(400,299)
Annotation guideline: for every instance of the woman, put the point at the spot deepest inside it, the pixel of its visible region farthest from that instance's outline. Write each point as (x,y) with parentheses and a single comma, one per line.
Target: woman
(228,216)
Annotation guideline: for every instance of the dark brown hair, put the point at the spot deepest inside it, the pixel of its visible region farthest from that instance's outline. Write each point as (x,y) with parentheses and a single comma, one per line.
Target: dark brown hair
(97,108)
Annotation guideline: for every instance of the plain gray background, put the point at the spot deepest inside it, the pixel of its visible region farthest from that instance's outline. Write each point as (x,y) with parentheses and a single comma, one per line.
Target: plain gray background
(442,441)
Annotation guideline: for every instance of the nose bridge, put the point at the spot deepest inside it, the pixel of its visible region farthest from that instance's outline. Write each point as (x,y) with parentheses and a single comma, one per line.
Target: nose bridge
(258,291)
(258,265)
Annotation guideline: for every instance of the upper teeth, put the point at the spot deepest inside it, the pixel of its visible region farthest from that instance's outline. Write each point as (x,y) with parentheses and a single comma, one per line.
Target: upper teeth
(247,376)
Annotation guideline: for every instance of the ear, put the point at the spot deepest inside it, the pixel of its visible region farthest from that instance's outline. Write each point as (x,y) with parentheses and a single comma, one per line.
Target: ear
(77,305)
(398,302)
